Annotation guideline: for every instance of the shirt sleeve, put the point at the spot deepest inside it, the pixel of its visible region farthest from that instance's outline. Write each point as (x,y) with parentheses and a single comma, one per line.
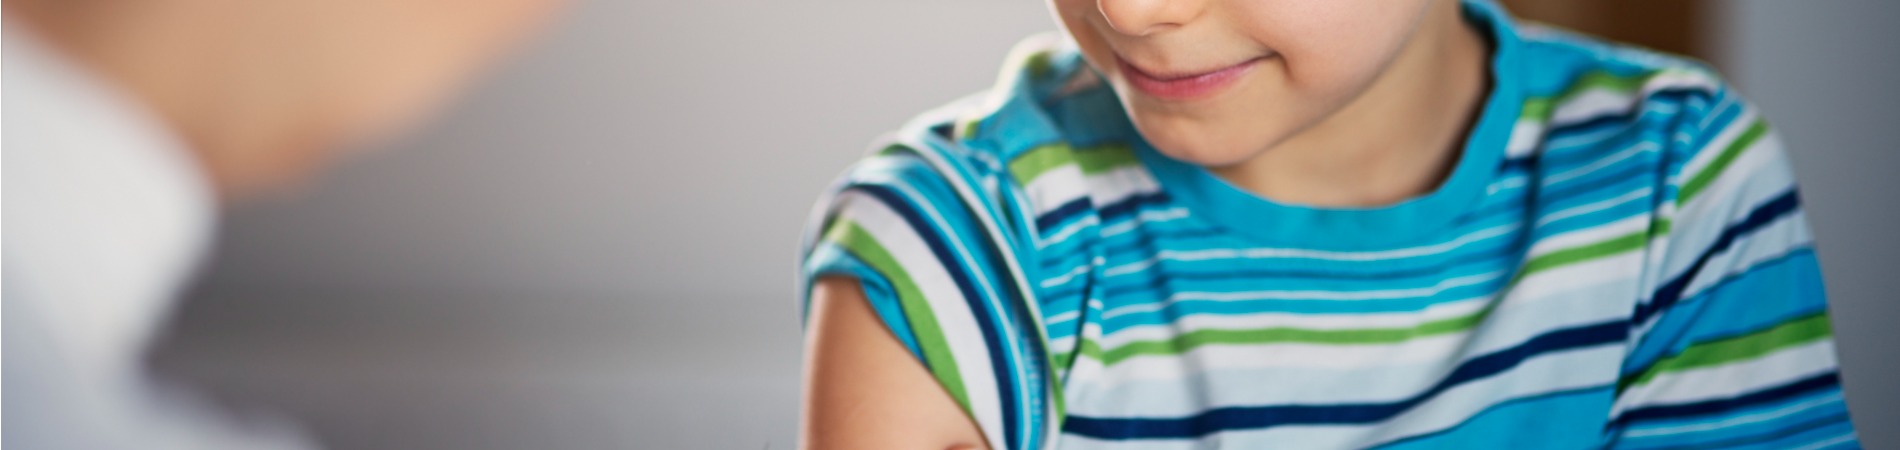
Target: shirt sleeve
(1733,347)
(934,271)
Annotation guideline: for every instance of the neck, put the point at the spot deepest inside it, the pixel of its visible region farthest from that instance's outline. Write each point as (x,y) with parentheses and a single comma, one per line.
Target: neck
(1398,140)
(183,61)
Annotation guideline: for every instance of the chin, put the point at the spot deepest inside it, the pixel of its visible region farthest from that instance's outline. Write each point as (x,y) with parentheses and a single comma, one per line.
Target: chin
(1196,143)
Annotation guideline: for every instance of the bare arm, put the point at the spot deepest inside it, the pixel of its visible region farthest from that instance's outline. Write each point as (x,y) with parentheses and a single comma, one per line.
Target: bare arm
(864,390)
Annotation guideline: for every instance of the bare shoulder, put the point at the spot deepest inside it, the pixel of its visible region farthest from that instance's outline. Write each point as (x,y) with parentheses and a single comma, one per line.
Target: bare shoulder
(863,389)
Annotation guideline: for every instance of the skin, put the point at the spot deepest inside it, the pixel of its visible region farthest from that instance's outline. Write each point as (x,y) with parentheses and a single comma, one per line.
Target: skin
(863,389)
(264,92)
(1354,103)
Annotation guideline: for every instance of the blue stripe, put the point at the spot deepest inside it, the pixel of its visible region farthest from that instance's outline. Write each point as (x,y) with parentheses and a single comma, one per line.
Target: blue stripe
(1519,423)
(1761,216)
(1049,220)
(1255,417)
(1766,433)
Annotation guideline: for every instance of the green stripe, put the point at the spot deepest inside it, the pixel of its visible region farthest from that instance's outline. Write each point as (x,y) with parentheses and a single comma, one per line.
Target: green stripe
(1093,160)
(923,323)
(1708,174)
(1279,335)
(1573,255)
(1738,348)
(1540,108)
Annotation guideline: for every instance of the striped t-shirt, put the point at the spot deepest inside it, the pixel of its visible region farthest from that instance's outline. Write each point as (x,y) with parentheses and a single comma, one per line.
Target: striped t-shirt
(1619,259)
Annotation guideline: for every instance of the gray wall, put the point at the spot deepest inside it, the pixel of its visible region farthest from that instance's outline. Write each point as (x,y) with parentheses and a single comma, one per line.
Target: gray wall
(1823,73)
(595,249)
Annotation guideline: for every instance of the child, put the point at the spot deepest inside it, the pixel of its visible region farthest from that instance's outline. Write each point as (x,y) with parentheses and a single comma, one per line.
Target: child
(1322,224)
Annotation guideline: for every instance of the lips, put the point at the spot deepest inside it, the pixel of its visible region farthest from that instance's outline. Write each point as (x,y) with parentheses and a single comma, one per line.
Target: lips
(1185,86)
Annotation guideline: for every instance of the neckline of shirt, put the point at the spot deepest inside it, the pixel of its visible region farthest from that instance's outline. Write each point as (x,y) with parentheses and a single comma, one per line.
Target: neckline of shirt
(1414,221)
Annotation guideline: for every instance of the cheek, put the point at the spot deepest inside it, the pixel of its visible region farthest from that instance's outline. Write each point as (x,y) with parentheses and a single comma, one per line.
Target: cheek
(1074,17)
(1330,47)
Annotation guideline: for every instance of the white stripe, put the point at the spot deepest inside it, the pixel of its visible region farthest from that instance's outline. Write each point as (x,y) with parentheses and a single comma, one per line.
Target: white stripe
(1590,104)
(1746,171)
(1716,145)
(1824,443)
(1065,183)
(1752,179)
(1196,322)
(1768,242)
(1601,101)
(1587,236)
(1526,135)
(1199,296)
(1639,193)
(1619,156)
(1517,318)
(1063,317)
(1625,267)
(1056,187)
(1731,380)
(1327,294)
(1515,181)
(1067,231)
(1145,217)
(1058,280)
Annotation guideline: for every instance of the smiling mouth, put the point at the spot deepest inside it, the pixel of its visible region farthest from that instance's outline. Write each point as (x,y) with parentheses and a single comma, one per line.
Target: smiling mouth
(1185,85)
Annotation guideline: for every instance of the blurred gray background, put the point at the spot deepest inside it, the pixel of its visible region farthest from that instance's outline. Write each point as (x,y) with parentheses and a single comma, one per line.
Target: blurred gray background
(595,249)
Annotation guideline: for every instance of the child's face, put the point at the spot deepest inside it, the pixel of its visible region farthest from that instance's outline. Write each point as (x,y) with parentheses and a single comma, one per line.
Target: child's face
(1216,82)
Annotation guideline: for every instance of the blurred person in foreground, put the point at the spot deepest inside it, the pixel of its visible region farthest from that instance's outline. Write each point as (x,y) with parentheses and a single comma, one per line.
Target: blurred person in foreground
(129,122)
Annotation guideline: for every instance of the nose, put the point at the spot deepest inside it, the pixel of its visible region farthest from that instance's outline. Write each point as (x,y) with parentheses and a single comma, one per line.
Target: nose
(1146,17)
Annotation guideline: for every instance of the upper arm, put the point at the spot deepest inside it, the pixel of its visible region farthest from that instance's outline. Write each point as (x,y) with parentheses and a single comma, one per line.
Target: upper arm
(1732,346)
(927,274)
(863,389)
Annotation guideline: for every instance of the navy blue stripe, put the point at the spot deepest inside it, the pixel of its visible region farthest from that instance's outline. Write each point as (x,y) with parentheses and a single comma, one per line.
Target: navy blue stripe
(1133,203)
(1829,380)
(1254,417)
(1519,163)
(1671,292)
(1126,206)
(1005,380)
(1049,220)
